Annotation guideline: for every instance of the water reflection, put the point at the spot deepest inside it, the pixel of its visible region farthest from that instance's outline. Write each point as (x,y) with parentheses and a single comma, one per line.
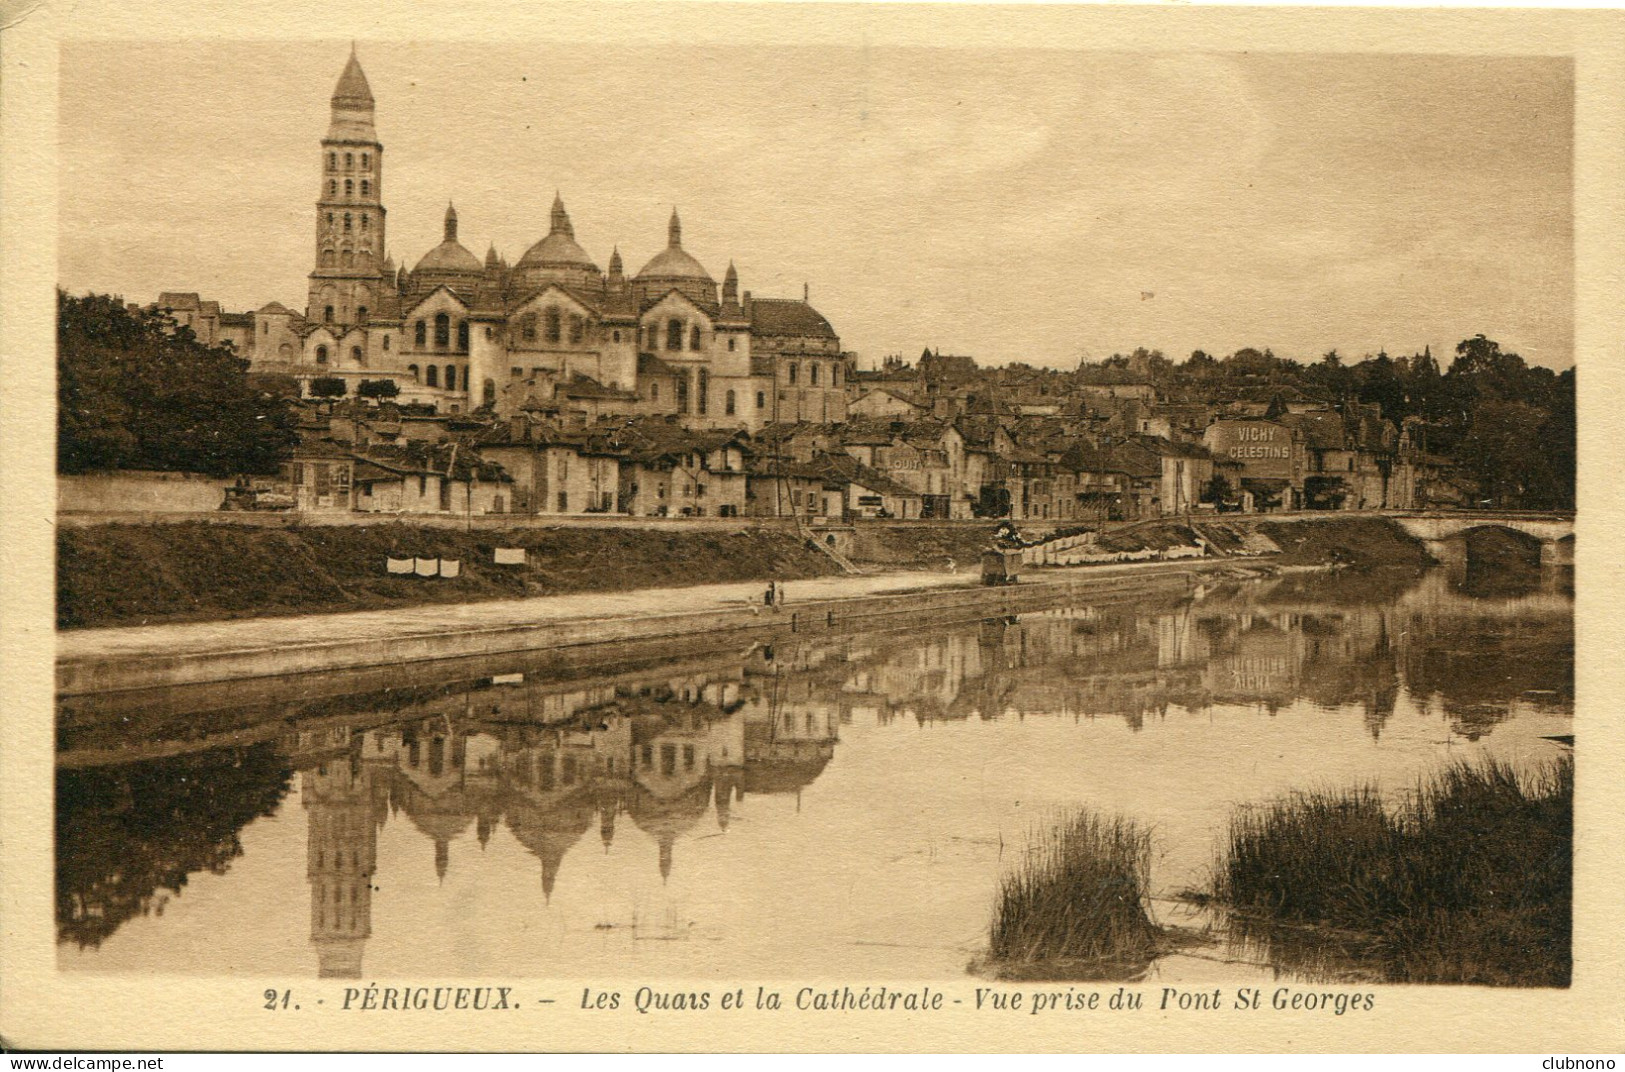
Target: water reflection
(676,749)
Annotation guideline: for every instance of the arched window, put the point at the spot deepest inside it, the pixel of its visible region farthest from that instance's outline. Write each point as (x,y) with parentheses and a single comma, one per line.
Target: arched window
(462,335)
(421,333)
(366,221)
(451,377)
(703,401)
(812,375)
(578,328)
(361,314)
(346,223)
(616,335)
(349,160)
(527,327)
(682,394)
(835,375)
(761,399)
(554,324)
(728,404)
(332,161)
(794,368)
(731,341)
(321,355)
(694,338)
(431,375)
(349,187)
(674,334)
(442,331)
(386,344)
(654,392)
(366,160)
(654,336)
(332,191)
(357,356)
(327,258)
(327,315)
(413,369)
(366,188)
(490,392)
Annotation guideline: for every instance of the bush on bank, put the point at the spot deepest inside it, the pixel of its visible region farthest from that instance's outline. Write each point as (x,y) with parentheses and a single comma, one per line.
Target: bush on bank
(1470,881)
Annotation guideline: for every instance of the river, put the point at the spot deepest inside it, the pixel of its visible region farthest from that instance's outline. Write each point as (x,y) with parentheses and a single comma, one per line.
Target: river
(836,807)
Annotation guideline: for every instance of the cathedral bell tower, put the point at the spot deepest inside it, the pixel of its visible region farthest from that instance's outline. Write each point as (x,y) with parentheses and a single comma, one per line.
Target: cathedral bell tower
(348,278)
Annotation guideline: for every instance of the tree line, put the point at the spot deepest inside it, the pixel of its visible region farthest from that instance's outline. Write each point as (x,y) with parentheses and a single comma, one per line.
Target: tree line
(1508,427)
(137,391)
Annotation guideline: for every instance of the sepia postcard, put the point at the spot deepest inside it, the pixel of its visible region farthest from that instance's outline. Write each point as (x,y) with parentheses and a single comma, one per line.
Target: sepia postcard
(799,527)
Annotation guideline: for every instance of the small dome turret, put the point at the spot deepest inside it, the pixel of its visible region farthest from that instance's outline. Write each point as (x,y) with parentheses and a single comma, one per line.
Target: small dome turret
(450,263)
(558,258)
(674,269)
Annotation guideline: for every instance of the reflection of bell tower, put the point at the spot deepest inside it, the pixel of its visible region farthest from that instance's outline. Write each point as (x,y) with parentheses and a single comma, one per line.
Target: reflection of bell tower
(340,854)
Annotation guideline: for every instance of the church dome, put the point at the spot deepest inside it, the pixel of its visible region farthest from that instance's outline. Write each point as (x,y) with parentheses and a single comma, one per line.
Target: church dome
(558,258)
(450,256)
(557,250)
(674,262)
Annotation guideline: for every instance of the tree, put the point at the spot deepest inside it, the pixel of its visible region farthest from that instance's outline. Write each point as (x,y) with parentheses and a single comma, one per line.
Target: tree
(136,391)
(1216,491)
(1379,381)
(1504,453)
(276,384)
(1487,370)
(327,387)
(379,389)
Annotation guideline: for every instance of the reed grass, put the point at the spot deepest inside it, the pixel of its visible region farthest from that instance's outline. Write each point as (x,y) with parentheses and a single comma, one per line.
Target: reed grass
(1078,895)
(1468,881)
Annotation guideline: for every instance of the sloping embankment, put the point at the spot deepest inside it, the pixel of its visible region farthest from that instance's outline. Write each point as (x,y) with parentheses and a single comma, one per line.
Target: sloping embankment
(128,574)
(138,574)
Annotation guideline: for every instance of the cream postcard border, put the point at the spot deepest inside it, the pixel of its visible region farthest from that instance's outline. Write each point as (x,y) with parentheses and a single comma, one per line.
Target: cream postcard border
(41,1008)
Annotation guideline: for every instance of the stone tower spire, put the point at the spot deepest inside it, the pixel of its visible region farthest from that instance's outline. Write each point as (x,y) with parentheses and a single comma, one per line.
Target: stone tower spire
(674,230)
(348,278)
(730,286)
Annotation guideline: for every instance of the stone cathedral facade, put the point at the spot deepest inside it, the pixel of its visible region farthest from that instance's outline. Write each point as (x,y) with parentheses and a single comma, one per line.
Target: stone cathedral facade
(549,333)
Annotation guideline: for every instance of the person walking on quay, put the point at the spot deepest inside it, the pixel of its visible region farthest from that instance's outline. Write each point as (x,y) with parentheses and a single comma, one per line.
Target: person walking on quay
(767,597)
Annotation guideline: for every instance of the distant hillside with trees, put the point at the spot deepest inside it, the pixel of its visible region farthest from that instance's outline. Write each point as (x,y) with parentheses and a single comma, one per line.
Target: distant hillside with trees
(1506,425)
(136,391)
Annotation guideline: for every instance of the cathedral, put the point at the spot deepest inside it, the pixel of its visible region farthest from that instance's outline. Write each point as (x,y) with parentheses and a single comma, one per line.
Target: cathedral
(549,333)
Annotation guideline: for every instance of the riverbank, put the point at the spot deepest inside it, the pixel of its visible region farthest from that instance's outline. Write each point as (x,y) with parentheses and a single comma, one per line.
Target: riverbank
(146,574)
(119,575)
(104,660)
(1468,881)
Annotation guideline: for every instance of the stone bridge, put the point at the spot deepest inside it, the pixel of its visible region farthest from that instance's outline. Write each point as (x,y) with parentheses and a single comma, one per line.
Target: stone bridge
(1445,535)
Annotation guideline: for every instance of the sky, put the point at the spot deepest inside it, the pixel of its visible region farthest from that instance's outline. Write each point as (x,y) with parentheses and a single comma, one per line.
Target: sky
(1014,205)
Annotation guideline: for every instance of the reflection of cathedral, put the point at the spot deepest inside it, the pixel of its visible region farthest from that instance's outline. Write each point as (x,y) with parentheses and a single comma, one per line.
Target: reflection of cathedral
(552,761)
(671,750)
(666,755)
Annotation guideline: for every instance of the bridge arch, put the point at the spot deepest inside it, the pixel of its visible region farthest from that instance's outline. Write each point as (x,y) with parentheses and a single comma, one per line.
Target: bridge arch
(1452,538)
